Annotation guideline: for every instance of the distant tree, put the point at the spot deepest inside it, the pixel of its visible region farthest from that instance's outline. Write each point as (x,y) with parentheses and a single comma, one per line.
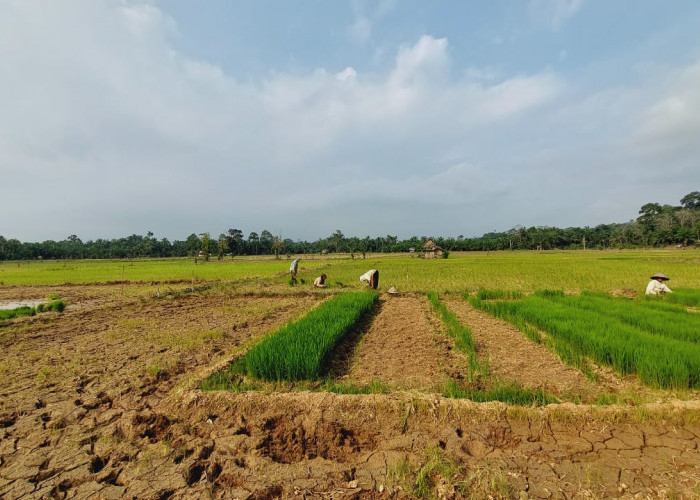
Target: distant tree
(691,200)
(336,240)
(235,241)
(221,246)
(206,245)
(277,245)
(253,242)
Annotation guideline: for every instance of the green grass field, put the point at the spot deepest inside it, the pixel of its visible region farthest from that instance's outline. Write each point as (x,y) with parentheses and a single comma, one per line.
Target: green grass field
(571,271)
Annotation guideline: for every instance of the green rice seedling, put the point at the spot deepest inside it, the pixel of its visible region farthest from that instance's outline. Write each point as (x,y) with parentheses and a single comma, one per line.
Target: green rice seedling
(464,341)
(462,335)
(657,360)
(673,323)
(686,297)
(499,294)
(17,312)
(299,350)
(57,305)
(374,387)
(506,392)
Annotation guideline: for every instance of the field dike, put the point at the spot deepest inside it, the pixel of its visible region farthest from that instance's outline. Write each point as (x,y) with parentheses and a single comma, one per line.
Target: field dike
(253,445)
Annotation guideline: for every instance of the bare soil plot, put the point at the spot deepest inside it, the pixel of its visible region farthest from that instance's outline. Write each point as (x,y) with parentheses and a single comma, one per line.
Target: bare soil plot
(64,378)
(403,347)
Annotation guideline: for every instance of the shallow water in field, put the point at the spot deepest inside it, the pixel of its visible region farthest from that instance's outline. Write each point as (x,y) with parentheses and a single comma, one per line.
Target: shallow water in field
(15,305)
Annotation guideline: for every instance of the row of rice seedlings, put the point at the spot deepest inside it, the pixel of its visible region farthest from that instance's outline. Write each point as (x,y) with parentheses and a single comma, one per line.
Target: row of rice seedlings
(507,392)
(658,361)
(462,335)
(684,296)
(56,305)
(299,350)
(676,324)
(564,350)
(498,390)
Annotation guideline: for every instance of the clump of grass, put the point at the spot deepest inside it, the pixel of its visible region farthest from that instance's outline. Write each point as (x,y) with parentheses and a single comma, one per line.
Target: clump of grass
(506,392)
(421,482)
(56,305)
(374,387)
(299,350)
(17,312)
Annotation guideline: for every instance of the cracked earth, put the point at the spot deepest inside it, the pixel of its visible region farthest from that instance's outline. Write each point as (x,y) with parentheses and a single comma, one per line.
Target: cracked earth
(101,402)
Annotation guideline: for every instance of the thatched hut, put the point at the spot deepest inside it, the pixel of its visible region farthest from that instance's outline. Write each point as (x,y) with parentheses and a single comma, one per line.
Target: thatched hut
(431,250)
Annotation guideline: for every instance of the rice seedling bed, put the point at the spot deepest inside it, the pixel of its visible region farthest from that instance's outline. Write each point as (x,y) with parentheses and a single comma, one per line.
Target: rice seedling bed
(659,345)
(299,350)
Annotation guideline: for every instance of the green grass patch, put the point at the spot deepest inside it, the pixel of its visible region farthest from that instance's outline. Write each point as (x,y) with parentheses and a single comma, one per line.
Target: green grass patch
(506,392)
(56,305)
(17,312)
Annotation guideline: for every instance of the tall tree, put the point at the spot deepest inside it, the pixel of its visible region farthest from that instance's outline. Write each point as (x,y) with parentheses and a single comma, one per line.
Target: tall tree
(691,200)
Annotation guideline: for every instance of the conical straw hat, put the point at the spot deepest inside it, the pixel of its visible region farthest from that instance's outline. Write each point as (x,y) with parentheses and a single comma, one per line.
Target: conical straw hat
(660,275)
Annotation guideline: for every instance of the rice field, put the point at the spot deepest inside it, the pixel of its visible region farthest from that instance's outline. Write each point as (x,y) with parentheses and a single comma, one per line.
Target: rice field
(571,271)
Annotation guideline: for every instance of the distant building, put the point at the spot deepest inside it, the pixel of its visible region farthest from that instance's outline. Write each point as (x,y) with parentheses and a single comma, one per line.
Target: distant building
(431,250)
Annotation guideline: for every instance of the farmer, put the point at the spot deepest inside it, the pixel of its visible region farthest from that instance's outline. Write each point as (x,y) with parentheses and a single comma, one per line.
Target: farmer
(657,286)
(293,269)
(371,277)
(320,282)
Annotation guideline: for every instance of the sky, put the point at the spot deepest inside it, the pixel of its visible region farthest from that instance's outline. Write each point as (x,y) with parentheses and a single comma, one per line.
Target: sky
(399,117)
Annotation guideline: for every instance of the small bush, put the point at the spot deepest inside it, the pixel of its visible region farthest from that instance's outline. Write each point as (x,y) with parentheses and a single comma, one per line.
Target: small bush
(58,305)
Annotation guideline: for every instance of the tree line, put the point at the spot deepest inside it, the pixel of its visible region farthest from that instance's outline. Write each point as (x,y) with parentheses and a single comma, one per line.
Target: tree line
(656,225)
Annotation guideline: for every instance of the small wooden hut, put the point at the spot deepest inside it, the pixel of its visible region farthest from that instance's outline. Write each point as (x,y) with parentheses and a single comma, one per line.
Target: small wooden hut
(431,250)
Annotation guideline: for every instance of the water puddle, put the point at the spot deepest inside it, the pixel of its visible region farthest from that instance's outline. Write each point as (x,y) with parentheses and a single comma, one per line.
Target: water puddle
(15,305)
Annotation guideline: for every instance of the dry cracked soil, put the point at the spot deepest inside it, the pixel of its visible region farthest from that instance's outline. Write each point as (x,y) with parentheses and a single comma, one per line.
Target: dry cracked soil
(102,401)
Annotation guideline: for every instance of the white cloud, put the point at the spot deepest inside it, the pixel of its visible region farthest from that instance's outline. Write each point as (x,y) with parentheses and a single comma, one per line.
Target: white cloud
(366,15)
(555,12)
(109,130)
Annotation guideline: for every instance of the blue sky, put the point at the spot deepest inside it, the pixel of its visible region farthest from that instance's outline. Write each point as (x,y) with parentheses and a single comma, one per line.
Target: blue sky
(385,117)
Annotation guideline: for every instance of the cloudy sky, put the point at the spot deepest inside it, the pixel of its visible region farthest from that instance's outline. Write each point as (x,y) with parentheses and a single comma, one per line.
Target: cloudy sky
(402,117)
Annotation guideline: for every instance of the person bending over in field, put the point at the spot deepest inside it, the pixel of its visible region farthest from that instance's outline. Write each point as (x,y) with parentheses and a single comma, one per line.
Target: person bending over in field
(657,286)
(371,277)
(293,270)
(320,282)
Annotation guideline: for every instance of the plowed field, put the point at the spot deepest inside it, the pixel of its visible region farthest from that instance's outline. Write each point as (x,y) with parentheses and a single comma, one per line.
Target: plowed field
(101,401)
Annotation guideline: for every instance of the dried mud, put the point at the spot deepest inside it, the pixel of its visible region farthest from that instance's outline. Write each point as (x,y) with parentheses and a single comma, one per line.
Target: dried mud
(98,403)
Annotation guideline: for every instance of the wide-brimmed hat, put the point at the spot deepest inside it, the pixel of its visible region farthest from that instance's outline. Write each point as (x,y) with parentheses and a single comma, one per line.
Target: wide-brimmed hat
(660,275)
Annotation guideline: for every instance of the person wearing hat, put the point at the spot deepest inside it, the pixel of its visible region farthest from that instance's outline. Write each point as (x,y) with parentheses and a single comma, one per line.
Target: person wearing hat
(320,282)
(657,286)
(371,277)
